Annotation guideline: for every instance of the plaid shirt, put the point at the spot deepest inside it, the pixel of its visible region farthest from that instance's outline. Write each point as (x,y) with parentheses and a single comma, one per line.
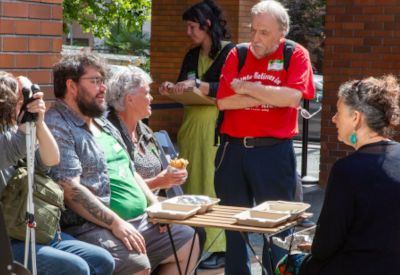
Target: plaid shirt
(80,155)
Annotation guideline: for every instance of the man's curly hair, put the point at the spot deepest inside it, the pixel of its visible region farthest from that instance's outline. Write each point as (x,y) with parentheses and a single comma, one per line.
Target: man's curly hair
(73,67)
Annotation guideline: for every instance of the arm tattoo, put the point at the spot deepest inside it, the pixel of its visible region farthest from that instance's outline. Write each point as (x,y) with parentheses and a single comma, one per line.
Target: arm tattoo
(78,195)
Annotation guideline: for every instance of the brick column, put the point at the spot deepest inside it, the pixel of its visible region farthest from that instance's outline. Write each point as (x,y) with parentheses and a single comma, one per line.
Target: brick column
(363,39)
(169,44)
(31,39)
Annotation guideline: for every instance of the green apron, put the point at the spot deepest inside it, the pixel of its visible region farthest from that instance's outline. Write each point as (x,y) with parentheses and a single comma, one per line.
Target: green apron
(196,144)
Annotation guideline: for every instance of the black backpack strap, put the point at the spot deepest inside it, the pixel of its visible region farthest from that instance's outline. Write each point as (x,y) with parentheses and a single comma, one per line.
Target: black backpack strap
(242,49)
(218,124)
(288,49)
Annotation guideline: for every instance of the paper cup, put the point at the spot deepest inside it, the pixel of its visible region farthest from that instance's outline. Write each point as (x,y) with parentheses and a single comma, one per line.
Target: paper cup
(171,169)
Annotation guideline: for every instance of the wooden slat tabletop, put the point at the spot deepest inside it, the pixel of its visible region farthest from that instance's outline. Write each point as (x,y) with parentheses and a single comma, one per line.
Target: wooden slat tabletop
(221,216)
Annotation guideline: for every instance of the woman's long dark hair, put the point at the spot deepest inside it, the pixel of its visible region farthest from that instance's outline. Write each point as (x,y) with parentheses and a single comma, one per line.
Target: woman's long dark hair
(218,31)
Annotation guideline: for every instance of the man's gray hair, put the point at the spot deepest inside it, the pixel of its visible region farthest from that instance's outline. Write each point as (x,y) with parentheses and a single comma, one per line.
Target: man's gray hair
(277,10)
(125,80)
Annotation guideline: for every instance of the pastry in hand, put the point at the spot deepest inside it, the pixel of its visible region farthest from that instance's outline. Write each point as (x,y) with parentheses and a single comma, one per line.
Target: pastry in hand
(179,163)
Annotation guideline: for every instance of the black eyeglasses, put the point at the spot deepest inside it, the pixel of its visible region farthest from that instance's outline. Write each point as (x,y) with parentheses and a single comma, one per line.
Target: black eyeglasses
(97,81)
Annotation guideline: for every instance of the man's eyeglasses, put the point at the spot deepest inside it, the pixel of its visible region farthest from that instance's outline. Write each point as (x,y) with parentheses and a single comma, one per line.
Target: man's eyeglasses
(306,114)
(97,81)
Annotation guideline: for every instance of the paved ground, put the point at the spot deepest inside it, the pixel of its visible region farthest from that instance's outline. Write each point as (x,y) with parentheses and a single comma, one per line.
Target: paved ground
(312,195)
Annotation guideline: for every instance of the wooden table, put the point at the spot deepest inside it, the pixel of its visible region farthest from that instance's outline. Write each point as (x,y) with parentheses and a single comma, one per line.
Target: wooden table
(221,216)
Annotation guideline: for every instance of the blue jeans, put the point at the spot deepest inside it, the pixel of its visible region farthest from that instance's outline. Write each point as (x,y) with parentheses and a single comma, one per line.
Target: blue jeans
(68,257)
(244,176)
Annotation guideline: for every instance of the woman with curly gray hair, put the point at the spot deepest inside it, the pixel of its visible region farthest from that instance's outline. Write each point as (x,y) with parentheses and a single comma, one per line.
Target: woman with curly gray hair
(129,99)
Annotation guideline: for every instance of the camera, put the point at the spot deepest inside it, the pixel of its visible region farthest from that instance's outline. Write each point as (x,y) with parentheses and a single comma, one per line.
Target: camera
(24,115)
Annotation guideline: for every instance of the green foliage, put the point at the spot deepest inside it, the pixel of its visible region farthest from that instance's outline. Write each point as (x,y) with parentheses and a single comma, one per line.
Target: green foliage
(307,27)
(98,15)
(307,17)
(125,41)
(146,65)
(78,43)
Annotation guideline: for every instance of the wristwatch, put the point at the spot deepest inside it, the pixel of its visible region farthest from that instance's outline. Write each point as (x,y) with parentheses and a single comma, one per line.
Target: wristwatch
(198,82)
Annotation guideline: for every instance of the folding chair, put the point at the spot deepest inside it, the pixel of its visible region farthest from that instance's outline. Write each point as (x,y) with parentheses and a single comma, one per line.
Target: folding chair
(166,143)
(168,152)
(7,265)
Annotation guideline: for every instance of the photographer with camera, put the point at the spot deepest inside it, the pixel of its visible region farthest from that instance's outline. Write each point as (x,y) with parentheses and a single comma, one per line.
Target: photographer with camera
(65,256)
(12,137)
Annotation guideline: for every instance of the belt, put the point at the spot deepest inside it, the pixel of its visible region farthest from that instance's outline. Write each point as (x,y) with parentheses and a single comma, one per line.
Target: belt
(251,142)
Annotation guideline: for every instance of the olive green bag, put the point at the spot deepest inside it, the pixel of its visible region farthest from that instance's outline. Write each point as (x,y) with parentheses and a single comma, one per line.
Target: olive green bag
(48,199)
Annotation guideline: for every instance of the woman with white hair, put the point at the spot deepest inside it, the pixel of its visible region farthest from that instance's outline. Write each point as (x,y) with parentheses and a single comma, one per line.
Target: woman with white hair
(129,99)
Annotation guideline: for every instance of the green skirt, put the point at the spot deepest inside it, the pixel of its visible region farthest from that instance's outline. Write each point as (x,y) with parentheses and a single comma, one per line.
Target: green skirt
(196,144)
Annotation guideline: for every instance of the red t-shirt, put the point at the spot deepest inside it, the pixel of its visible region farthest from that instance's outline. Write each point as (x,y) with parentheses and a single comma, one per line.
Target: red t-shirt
(266,120)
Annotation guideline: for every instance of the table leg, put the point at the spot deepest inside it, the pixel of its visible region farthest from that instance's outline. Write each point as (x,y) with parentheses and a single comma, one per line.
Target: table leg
(268,241)
(206,250)
(290,249)
(269,248)
(174,249)
(191,250)
(254,253)
(176,255)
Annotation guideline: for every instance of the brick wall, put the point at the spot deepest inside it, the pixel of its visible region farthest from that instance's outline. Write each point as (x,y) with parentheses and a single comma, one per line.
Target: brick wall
(363,39)
(30,39)
(169,44)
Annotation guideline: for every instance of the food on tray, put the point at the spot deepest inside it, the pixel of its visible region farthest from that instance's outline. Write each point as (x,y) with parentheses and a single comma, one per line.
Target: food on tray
(265,207)
(193,200)
(179,163)
(206,203)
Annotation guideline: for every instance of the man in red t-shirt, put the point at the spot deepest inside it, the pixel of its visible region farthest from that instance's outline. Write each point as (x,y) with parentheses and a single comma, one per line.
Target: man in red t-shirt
(256,160)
